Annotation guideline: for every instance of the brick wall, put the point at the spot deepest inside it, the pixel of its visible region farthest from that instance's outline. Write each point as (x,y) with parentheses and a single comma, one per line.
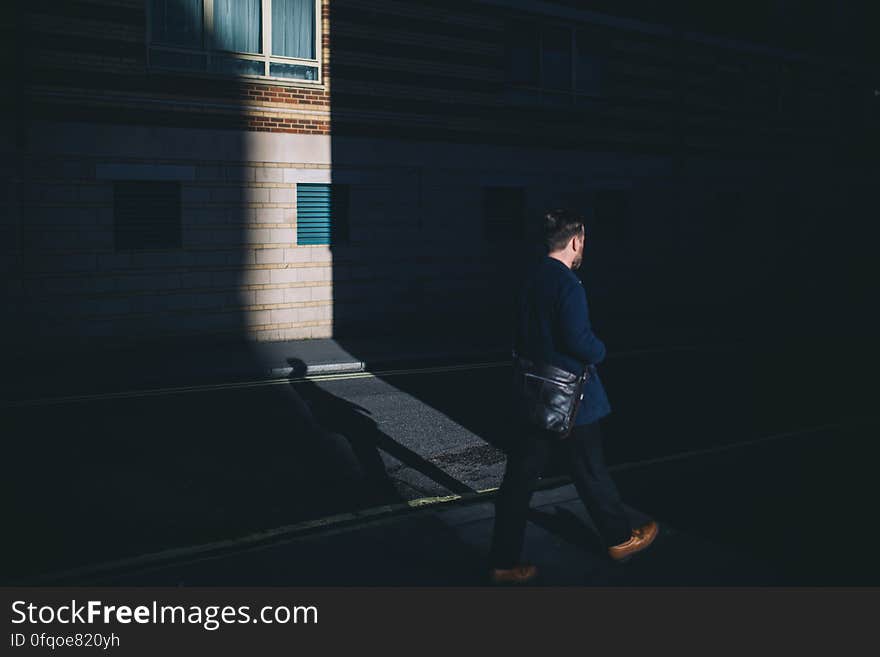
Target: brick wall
(87,60)
(414,113)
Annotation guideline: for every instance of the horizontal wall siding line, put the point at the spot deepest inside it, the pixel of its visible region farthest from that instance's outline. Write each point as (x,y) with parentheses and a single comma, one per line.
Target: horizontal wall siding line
(194,104)
(667,145)
(52,286)
(85,65)
(222,300)
(109,265)
(289,325)
(362,66)
(371,88)
(576,121)
(491,84)
(206,87)
(449,15)
(63,42)
(241,226)
(417,47)
(211,205)
(79,169)
(220,204)
(250,299)
(107,237)
(128,13)
(238,312)
(424,102)
(350,268)
(109,115)
(231,182)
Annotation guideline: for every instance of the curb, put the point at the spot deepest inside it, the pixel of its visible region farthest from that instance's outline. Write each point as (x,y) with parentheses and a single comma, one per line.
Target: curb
(414,361)
(322,368)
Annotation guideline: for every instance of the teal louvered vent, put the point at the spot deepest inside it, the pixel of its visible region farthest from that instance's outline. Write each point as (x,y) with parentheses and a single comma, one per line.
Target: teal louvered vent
(321,213)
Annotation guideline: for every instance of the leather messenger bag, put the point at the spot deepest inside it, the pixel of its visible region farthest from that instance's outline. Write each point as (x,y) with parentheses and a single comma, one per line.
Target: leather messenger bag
(548,396)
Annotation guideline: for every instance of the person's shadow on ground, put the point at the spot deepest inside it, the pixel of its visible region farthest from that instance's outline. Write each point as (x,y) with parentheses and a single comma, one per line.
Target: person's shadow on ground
(352,433)
(347,430)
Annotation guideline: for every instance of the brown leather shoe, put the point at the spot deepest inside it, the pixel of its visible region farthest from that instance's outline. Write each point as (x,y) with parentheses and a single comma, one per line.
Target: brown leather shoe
(519,574)
(640,539)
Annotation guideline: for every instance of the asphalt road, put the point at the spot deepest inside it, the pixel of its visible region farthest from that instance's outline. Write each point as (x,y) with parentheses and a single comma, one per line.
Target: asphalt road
(761,448)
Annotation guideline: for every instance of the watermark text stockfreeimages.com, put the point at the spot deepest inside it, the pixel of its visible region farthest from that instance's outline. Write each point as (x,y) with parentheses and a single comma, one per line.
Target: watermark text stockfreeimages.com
(210,617)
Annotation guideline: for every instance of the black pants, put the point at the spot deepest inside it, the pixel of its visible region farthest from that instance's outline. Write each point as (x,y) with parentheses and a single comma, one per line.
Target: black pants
(526,460)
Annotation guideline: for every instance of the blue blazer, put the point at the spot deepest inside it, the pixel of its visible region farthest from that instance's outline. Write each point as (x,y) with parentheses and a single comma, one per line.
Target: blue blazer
(552,324)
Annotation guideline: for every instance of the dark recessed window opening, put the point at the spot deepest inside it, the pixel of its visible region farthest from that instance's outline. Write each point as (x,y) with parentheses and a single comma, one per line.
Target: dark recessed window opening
(729,203)
(146,215)
(553,64)
(611,209)
(503,213)
(321,213)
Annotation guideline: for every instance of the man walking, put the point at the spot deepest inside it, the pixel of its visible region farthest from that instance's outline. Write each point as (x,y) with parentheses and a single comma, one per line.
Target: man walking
(553,326)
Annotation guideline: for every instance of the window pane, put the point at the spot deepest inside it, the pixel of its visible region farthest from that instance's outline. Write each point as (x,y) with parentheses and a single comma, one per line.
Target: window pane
(588,67)
(503,213)
(238,66)
(293,28)
(588,100)
(177,22)
(522,55)
(293,71)
(611,208)
(523,96)
(556,99)
(556,60)
(589,74)
(237,25)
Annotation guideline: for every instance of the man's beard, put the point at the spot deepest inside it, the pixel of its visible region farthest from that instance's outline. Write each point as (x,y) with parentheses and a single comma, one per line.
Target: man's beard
(576,263)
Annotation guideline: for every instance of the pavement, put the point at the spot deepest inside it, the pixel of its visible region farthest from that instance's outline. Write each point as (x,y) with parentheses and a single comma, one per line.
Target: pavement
(444,544)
